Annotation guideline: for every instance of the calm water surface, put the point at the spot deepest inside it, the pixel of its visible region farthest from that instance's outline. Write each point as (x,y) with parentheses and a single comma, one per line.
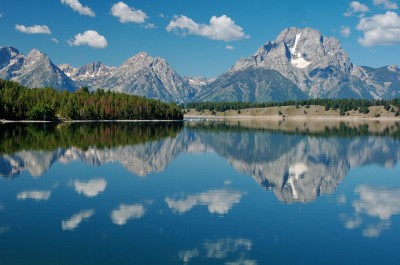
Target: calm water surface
(199,193)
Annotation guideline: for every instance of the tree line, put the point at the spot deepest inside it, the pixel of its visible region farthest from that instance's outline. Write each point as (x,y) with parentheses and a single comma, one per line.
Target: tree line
(21,103)
(343,105)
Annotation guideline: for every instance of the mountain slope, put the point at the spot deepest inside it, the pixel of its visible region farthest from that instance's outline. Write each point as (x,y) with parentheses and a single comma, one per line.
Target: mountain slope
(252,85)
(384,80)
(139,75)
(33,70)
(315,64)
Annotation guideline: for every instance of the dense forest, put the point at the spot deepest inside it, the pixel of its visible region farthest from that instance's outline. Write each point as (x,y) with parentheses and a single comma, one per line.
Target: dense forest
(342,105)
(21,103)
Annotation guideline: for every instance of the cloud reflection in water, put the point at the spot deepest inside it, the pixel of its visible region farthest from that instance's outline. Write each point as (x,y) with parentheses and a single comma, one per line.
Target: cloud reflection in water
(126,212)
(217,201)
(380,203)
(37,195)
(90,188)
(75,220)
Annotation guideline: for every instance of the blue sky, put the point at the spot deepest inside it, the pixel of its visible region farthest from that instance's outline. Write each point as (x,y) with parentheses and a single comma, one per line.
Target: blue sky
(197,38)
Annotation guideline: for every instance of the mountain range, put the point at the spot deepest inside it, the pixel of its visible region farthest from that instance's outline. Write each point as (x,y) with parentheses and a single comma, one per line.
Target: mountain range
(299,64)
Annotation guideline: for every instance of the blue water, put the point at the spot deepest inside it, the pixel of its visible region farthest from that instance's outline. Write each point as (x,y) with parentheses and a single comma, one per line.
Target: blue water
(202,196)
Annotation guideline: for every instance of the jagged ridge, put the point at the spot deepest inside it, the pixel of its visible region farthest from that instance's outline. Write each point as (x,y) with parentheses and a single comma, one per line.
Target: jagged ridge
(300,63)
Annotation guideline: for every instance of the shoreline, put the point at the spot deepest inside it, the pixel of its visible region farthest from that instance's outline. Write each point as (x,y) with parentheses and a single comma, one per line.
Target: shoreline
(293,113)
(290,118)
(2,121)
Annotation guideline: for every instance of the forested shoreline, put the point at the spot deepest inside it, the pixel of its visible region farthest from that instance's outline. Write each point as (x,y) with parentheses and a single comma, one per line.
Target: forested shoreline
(47,104)
(343,105)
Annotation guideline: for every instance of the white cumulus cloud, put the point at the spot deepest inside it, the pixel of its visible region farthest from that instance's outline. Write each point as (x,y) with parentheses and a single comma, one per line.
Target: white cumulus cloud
(229,47)
(90,38)
(35,29)
(90,188)
(150,26)
(78,7)
(76,219)
(128,14)
(220,28)
(386,4)
(345,31)
(217,201)
(356,7)
(37,195)
(381,29)
(125,212)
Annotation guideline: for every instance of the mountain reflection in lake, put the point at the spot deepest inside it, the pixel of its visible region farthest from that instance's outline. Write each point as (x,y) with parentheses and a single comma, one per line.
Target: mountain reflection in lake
(199,193)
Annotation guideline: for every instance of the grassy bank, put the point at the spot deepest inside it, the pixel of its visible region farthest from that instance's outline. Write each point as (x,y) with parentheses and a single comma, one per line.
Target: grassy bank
(293,112)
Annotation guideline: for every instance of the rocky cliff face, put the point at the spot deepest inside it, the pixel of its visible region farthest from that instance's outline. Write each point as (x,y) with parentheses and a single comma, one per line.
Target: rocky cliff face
(317,65)
(251,85)
(385,81)
(140,75)
(33,70)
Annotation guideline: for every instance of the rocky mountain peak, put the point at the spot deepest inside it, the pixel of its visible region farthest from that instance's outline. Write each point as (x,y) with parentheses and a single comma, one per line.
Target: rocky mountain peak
(33,70)
(139,58)
(143,59)
(9,55)
(308,49)
(393,68)
(69,70)
(37,57)
(93,69)
(9,51)
(318,65)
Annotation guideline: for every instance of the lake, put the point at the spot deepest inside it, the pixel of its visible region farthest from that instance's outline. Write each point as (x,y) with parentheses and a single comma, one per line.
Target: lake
(200,193)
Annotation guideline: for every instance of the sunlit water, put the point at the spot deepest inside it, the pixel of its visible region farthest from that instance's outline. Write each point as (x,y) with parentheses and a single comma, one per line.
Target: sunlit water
(198,194)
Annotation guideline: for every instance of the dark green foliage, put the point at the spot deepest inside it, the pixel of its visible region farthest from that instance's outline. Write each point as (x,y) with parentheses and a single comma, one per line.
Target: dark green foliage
(42,112)
(20,103)
(363,109)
